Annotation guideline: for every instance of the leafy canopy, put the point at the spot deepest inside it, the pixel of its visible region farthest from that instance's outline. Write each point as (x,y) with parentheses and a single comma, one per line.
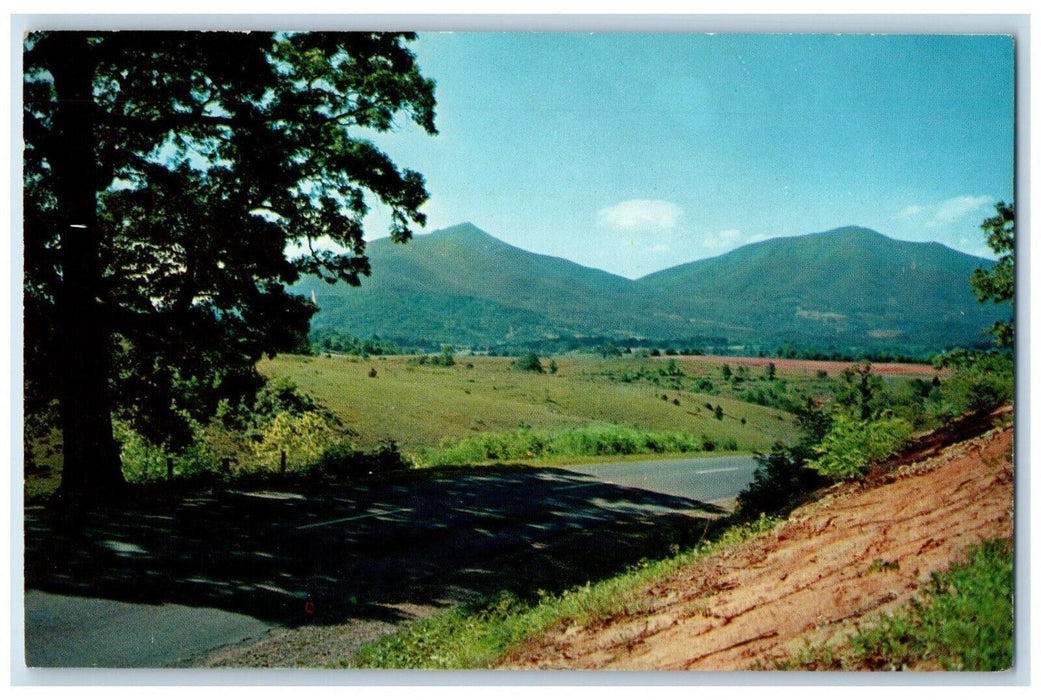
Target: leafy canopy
(999,284)
(213,153)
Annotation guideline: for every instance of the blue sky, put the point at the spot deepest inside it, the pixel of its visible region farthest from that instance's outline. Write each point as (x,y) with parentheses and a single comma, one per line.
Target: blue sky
(636,152)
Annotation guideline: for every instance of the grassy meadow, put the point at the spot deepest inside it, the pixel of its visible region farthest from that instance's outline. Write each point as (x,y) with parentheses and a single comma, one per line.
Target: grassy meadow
(480,409)
(422,406)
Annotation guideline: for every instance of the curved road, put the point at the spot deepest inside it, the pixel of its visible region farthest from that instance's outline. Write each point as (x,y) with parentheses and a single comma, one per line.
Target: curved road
(709,479)
(164,585)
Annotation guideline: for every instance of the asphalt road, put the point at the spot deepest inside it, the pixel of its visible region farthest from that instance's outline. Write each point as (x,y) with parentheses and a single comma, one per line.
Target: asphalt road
(710,479)
(163,585)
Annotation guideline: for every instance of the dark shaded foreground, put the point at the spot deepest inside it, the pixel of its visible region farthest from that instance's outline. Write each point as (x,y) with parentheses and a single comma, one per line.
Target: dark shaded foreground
(326,555)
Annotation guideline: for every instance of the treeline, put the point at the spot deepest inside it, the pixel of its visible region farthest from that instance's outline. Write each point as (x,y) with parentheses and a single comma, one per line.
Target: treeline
(327,340)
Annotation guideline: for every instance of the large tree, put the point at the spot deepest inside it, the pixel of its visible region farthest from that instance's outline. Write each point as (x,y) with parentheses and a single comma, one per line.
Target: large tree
(998,284)
(166,174)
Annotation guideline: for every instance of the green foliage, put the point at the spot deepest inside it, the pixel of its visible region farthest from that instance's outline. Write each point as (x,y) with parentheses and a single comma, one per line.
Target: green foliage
(998,284)
(447,357)
(964,621)
(982,382)
(192,161)
(813,421)
(341,461)
(781,478)
(526,444)
(864,393)
(529,363)
(143,461)
(852,446)
(330,340)
(304,438)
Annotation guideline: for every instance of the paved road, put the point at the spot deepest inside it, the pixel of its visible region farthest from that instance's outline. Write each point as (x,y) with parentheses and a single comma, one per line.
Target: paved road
(161,586)
(707,479)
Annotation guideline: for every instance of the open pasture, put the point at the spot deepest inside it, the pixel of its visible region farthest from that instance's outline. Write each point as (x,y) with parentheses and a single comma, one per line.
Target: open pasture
(420,405)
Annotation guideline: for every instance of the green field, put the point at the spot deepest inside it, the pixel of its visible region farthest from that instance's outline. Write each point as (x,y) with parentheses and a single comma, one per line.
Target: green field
(483,409)
(419,406)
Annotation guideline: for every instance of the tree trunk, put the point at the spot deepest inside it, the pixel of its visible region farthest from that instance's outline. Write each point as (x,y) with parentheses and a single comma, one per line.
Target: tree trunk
(92,469)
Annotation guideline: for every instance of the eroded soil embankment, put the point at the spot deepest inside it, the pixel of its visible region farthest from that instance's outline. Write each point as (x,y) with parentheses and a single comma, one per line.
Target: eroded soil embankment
(858,552)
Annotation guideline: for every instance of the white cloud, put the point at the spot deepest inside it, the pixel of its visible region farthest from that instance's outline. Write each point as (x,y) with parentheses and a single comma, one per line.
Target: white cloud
(909,212)
(651,215)
(950,210)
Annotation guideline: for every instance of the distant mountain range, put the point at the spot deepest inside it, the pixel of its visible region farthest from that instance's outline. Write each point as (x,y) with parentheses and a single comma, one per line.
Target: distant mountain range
(841,290)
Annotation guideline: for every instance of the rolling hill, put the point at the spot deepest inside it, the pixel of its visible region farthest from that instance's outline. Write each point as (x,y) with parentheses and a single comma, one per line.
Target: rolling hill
(849,288)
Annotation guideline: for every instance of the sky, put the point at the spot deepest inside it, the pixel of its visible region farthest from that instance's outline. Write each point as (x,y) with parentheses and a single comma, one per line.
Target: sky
(636,152)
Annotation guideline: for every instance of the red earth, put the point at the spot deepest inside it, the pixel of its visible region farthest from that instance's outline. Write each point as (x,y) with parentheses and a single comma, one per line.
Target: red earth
(862,550)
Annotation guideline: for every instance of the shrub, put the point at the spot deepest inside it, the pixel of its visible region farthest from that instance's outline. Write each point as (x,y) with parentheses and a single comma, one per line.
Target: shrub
(446,358)
(851,446)
(304,438)
(778,482)
(144,461)
(528,363)
(342,462)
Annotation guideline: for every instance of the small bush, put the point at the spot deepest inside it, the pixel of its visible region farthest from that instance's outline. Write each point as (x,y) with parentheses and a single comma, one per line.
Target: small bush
(851,446)
(779,481)
(528,363)
(304,438)
(343,462)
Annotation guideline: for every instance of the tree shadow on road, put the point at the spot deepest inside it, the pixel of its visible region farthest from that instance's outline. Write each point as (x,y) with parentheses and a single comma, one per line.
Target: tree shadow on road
(337,553)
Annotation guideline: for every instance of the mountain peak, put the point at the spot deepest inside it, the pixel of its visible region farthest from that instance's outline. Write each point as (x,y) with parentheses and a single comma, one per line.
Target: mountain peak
(464,230)
(852,232)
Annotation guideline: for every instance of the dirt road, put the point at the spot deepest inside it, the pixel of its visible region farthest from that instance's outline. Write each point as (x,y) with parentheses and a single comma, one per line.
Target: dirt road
(862,550)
